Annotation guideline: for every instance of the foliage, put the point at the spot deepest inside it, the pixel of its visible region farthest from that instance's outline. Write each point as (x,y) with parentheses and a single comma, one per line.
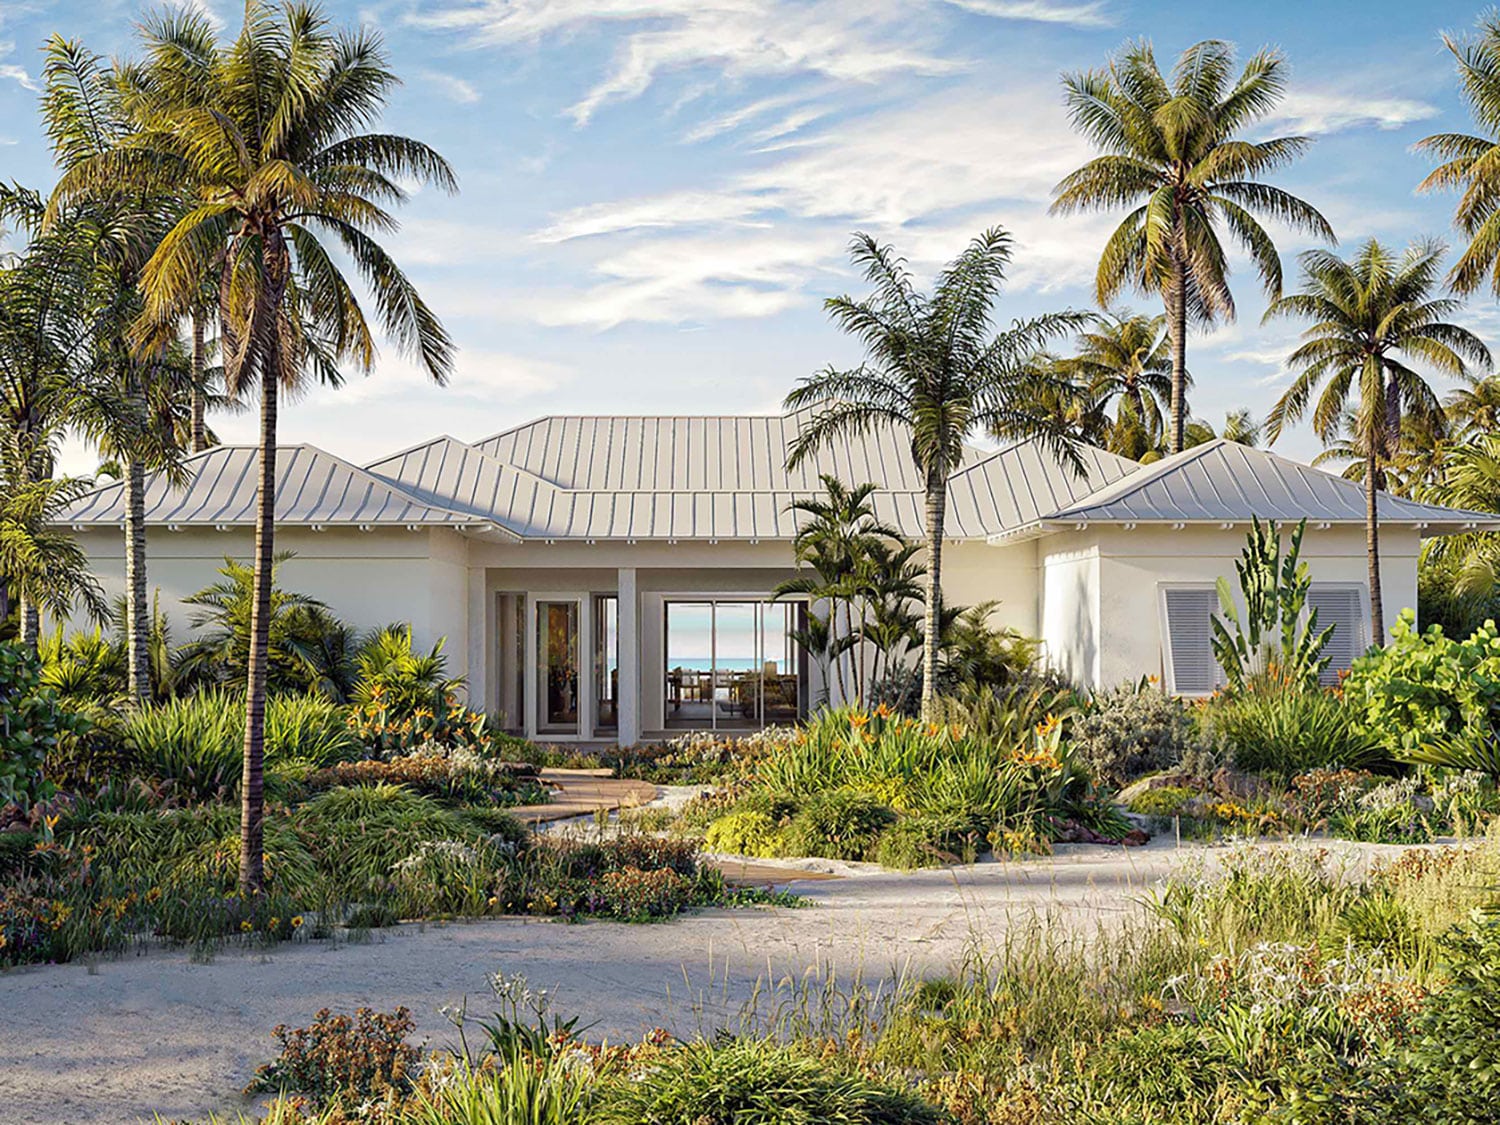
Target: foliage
(31,724)
(1286,732)
(758,1083)
(1273,644)
(841,824)
(1131,731)
(196,741)
(404,682)
(450,773)
(42,563)
(1425,687)
(342,1058)
(936,370)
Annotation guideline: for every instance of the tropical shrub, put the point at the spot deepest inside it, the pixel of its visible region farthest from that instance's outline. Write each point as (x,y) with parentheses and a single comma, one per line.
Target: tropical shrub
(1274,643)
(745,832)
(1286,732)
(1132,731)
(31,723)
(197,741)
(842,824)
(400,679)
(1427,687)
(450,773)
(928,840)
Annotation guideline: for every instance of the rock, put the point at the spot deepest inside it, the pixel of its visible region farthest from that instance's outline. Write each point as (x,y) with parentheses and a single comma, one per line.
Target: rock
(1230,782)
(1135,838)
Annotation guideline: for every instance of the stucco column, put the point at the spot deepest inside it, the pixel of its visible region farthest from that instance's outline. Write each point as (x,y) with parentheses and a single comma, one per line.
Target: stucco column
(630,658)
(481,641)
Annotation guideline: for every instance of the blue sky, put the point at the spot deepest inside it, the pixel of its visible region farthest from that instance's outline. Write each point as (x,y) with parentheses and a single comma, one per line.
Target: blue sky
(656,196)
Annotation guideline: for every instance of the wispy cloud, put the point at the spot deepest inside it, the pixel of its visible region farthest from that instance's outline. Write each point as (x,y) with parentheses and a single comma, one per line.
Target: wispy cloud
(1311,111)
(847,40)
(450,86)
(1087,15)
(11,71)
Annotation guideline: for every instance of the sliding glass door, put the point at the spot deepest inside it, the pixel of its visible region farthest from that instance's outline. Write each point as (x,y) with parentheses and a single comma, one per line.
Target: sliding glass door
(557,704)
(732,664)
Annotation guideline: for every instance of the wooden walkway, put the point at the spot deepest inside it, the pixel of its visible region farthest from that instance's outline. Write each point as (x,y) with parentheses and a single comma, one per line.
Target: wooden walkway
(583,793)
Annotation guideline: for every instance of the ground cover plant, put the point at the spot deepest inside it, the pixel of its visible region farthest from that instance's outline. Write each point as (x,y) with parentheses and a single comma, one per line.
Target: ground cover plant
(1261,984)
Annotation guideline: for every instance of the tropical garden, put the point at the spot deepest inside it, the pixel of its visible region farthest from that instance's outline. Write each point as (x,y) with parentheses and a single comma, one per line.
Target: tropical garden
(213,242)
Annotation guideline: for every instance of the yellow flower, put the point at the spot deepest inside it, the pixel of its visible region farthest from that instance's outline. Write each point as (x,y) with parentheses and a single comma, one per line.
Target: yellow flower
(246,927)
(297,922)
(1048,725)
(858,720)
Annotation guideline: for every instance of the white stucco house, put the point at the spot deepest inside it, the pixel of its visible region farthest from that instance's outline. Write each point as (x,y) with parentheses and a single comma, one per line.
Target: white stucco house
(610,578)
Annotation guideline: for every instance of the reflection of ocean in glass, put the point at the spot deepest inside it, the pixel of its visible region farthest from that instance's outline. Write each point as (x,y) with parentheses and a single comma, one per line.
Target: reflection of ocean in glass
(704,664)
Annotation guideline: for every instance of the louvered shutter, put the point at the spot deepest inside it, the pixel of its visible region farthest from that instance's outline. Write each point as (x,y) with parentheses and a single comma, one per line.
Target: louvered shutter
(1194,671)
(1343,608)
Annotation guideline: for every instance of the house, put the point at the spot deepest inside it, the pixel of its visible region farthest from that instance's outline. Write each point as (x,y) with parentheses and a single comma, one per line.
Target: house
(611,578)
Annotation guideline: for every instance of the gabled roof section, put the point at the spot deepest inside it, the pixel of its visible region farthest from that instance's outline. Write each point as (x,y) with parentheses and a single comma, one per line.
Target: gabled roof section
(1021,483)
(1223,481)
(712,453)
(312,487)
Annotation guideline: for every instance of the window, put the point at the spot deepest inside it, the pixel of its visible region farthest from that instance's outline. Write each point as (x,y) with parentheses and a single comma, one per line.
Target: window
(733,664)
(1187,633)
(1343,608)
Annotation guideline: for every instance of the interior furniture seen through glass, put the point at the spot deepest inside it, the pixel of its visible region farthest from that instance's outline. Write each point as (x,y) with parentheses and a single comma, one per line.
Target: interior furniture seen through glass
(733,665)
(557,667)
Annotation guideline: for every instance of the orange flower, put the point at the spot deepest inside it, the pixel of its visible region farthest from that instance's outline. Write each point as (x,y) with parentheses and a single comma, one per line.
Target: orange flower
(858,720)
(883,711)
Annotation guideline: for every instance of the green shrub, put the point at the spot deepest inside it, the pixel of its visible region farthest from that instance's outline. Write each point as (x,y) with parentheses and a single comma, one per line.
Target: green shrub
(31,723)
(927,840)
(756,1083)
(1426,687)
(1168,800)
(1286,732)
(198,741)
(842,824)
(1132,731)
(746,832)
(362,832)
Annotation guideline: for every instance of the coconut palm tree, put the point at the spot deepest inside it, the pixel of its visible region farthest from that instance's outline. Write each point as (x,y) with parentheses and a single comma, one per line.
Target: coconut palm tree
(1173,153)
(1124,362)
(126,399)
(936,372)
(1473,410)
(269,131)
(1371,318)
(1469,163)
(1470,479)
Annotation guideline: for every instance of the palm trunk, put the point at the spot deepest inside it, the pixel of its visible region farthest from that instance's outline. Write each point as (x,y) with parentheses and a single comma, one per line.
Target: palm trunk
(137,613)
(937,507)
(252,795)
(30,621)
(1177,331)
(198,436)
(1372,547)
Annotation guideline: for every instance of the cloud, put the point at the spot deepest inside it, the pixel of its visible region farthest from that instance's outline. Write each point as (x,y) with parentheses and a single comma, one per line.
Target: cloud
(478,373)
(859,41)
(732,120)
(1088,15)
(453,88)
(1312,111)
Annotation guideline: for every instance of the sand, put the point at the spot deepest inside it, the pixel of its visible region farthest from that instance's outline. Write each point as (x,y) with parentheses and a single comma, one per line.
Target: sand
(123,1039)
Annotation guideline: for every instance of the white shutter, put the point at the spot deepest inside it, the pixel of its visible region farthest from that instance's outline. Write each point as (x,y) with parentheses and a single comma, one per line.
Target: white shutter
(1343,608)
(1189,637)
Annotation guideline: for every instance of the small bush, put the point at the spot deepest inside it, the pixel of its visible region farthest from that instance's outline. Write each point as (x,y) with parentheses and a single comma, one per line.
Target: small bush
(342,1058)
(927,840)
(31,722)
(1165,801)
(1132,731)
(746,832)
(757,1083)
(839,825)
(1287,732)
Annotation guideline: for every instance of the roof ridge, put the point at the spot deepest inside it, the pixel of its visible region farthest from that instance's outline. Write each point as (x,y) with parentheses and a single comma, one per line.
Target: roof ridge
(1142,477)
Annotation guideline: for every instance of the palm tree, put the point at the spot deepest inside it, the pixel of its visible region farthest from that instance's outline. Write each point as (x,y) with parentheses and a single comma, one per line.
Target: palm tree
(1474,409)
(42,564)
(1172,152)
(1469,163)
(268,131)
(1470,480)
(1371,317)
(1124,361)
(936,372)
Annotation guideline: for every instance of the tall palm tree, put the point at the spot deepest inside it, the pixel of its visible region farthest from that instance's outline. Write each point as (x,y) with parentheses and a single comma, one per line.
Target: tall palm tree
(1371,318)
(936,372)
(1173,153)
(1470,479)
(268,129)
(1471,164)
(127,397)
(1124,362)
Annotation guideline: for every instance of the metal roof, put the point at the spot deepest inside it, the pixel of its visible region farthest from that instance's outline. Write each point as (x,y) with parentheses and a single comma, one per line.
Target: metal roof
(707,478)
(312,487)
(1224,481)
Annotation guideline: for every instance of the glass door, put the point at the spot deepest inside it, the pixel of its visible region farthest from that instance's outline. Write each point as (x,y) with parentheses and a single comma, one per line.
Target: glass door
(733,664)
(557,705)
(606,662)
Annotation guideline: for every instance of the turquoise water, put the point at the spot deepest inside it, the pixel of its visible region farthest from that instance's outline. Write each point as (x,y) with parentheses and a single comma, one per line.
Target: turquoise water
(705,664)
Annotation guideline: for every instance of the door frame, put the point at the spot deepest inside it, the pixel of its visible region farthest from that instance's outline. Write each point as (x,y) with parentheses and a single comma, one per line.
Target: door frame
(583,604)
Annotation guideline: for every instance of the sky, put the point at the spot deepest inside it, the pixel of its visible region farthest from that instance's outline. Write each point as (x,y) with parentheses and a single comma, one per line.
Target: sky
(656,196)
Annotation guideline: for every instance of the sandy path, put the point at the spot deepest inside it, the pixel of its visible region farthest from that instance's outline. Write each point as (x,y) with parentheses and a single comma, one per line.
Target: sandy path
(157,1033)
